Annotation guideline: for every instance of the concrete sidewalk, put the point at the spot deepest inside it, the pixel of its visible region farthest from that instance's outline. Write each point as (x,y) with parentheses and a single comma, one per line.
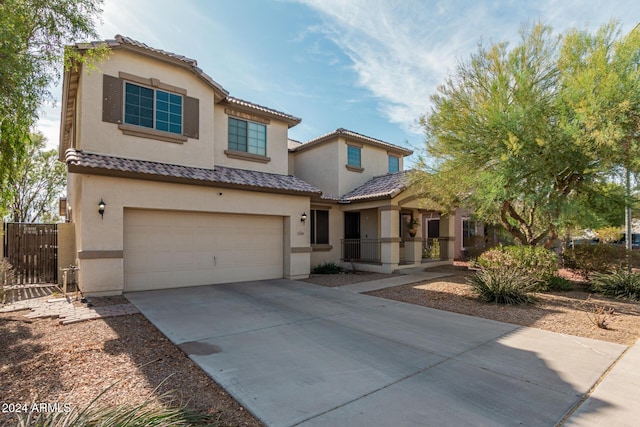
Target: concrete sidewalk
(294,353)
(616,400)
(389,282)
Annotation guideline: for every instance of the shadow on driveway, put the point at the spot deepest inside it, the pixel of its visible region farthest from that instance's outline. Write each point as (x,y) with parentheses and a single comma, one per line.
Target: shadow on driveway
(300,354)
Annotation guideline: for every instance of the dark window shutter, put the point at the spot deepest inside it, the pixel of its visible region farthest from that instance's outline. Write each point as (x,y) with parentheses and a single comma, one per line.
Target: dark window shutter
(191,117)
(111,99)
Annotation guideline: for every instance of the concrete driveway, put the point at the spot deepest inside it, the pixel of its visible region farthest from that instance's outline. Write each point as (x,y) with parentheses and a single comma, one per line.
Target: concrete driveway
(294,353)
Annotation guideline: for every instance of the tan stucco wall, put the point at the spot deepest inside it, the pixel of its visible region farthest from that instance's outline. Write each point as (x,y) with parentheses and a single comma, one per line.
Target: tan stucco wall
(319,166)
(106,276)
(94,135)
(66,248)
(277,151)
(374,160)
(324,165)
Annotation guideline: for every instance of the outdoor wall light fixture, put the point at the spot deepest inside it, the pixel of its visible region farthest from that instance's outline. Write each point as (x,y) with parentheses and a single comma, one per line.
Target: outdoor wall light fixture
(303,217)
(101,207)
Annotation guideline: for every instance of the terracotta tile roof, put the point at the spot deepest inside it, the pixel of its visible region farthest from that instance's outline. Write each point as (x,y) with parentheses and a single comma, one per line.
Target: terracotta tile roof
(241,102)
(123,41)
(99,164)
(380,187)
(292,144)
(355,136)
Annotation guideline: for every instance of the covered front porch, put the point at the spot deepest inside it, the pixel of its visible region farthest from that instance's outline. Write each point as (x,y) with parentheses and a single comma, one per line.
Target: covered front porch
(392,236)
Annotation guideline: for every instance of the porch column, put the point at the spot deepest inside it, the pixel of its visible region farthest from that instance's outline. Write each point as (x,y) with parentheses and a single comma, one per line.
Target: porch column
(413,245)
(389,237)
(448,236)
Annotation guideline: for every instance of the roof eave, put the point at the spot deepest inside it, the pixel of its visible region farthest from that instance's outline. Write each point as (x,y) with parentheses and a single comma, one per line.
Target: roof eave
(73,168)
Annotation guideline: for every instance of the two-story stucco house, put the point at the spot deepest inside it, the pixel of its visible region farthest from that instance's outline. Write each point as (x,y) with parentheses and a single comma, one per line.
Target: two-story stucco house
(172,182)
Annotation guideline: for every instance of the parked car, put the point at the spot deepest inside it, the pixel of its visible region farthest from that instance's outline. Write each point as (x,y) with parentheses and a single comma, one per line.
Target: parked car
(579,242)
(635,241)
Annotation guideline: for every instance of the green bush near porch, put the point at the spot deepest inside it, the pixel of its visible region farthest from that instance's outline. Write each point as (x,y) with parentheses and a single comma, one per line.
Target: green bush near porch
(326,268)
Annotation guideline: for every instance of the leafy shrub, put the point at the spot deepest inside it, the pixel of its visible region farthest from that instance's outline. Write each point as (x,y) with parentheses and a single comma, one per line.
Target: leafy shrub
(433,251)
(609,234)
(557,283)
(536,262)
(503,285)
(326,268)
(599,258)
(619,284)
(7,277)
(6,273)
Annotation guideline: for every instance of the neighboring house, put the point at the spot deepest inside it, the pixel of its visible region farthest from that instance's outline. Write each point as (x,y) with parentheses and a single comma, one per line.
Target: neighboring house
(173,182)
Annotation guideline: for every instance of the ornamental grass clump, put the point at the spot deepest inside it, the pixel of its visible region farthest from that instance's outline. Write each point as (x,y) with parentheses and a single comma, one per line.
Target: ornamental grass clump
(618,284)
(503,285)
(146,414)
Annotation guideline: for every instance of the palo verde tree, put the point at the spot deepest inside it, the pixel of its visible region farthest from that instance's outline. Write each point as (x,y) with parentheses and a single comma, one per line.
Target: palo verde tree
(37,182)
(33,34)
(495,141)
(601,93)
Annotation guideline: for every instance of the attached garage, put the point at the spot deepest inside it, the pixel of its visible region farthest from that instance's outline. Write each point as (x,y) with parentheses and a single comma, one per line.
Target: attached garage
(171,249)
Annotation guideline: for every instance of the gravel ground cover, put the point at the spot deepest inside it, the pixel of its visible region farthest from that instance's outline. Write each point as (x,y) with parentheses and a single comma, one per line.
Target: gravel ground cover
(42,361)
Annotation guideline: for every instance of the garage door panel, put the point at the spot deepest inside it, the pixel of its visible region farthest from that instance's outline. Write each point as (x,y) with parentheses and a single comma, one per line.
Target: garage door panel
(175,249)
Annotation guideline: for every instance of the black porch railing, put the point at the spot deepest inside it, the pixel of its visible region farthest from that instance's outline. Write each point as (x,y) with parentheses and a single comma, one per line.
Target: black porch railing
(362,250)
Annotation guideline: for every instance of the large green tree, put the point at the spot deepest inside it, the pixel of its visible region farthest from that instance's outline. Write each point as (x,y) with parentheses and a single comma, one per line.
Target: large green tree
(38,181)
(601,93)
(495,144)
(33,34)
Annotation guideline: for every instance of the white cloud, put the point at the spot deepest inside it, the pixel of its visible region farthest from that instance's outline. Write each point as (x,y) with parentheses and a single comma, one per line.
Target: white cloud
(401,51)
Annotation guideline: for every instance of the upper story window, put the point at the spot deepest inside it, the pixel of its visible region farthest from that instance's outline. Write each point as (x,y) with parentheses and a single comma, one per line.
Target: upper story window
(353,156)
(148,108)
(153,108)
(394,164)
(248,137)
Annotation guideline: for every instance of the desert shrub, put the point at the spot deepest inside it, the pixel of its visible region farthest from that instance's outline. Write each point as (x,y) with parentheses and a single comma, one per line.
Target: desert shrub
(536,262)
(619,284)
(326,268)
(7,276)
(503,285)
(599,258)
(557,283)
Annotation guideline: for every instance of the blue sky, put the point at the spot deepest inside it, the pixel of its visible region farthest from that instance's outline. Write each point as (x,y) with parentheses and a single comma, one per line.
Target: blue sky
(365,65)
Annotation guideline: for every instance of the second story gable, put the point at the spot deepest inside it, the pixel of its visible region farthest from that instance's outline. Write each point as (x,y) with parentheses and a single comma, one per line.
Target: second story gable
(148,104)
(343,160)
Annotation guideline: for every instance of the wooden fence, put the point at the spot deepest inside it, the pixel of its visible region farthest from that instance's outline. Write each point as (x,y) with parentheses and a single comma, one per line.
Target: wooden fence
(32,250)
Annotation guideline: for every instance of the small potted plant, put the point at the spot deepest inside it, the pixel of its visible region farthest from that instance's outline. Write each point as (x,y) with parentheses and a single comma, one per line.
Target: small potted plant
(413,226)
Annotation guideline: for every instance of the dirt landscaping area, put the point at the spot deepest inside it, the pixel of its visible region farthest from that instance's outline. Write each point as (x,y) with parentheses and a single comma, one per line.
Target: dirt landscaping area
(573,312)
(42,361)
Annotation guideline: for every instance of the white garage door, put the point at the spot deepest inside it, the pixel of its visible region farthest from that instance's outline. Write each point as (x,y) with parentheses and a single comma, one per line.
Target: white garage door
(169,249)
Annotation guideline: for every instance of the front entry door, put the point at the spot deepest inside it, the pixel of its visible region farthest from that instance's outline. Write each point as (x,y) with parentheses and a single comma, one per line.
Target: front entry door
(351,235)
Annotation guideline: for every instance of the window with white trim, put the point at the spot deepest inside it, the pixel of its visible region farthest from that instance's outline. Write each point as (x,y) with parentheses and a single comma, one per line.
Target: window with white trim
(248,137)
(152,108)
